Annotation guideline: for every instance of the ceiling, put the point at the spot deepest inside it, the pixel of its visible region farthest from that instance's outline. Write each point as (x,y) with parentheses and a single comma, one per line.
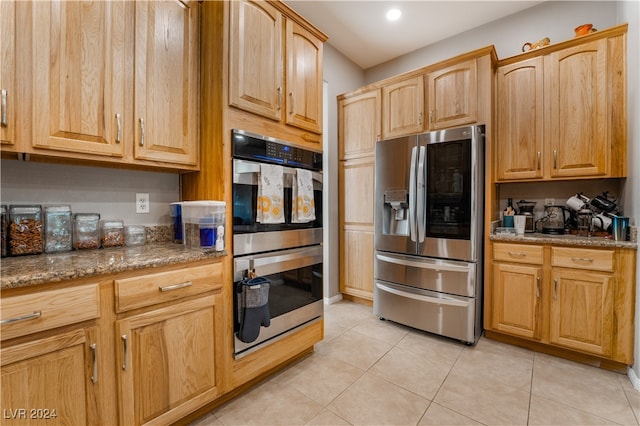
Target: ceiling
(360,31)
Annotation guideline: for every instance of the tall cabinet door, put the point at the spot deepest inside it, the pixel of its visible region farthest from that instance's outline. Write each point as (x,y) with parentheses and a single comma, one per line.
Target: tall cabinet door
(520,107)
(304,78)
(576,85)
(7,73)
(78,64)
(453,95)
(256,76)
(166,81)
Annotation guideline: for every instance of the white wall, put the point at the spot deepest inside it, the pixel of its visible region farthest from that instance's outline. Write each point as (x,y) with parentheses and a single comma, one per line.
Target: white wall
(110,192)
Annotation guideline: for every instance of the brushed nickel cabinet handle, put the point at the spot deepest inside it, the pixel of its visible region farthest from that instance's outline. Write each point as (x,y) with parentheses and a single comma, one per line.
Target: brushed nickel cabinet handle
(279,98)
(142,132)
(555,158)
(537,287)
(94,352)
(420,119)
(430,116)
(291,102)
(125,347)
(4,121)
(176,286)
(555,289)
(582,259)
(517,254)
(118,128)
(25,317)
(539,159)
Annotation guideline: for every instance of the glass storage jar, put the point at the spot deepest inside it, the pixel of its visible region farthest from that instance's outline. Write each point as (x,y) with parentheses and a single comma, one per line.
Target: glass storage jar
(57,229)
(86,231)
(112,232)
(4,230)
(136,235)
(25,230)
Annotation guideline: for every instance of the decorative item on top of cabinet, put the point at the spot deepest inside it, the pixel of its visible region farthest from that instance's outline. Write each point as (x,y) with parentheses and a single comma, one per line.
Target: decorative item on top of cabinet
(561,111)
(453,95)
(403,107)
(257,50)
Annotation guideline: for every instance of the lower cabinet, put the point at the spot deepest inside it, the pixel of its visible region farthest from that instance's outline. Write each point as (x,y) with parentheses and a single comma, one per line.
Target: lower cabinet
(577,299)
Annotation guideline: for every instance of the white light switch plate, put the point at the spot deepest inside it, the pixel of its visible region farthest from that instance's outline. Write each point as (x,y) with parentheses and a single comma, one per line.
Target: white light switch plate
(142,203)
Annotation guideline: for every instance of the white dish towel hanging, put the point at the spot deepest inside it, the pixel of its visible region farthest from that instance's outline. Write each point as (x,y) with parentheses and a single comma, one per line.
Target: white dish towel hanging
(270,207)
(302,205)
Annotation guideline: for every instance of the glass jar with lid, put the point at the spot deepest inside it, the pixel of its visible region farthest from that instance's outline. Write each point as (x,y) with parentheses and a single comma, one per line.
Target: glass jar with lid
(5,229)
(25,230)
(57,229)
(86,231)
(136,235)
(112,232)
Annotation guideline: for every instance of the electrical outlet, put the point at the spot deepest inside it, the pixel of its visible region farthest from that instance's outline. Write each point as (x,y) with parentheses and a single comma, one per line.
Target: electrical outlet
(142,203)
(549,201)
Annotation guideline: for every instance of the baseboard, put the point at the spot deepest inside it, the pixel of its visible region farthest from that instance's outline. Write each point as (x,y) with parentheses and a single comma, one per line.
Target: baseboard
(635,380)
(332,300)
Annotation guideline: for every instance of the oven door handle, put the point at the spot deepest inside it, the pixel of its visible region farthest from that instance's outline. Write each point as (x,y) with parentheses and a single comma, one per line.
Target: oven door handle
(291,259)
(244,167)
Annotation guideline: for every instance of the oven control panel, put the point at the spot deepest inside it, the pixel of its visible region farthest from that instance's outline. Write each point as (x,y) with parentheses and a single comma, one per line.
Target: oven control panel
(270,150)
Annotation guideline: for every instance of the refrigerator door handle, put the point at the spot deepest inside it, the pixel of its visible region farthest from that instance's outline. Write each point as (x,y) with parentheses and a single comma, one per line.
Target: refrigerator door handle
(422,298)
(412,196)
(423,264)
(421,208)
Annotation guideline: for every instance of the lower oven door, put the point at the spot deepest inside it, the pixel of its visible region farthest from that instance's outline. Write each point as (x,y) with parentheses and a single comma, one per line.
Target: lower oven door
(439,313)
(295,292)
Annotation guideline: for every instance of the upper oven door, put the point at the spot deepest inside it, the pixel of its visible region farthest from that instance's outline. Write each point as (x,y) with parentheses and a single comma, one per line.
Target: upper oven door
(246,175)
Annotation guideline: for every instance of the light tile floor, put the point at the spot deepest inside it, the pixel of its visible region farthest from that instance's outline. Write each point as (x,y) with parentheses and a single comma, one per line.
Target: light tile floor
(372,372)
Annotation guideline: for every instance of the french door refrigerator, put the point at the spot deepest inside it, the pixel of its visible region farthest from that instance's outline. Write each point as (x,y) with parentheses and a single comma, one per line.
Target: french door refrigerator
(429,192)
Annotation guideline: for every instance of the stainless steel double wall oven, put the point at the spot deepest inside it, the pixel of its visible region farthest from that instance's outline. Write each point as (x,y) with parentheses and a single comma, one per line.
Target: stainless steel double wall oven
(288,254)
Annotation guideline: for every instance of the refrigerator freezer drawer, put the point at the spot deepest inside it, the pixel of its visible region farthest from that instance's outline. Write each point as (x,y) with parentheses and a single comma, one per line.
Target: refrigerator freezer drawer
(439,275)
(443,314)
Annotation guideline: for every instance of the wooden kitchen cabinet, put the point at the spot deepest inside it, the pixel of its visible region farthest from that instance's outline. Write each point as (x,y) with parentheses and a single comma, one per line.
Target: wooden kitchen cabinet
(359,125)
(570,301)
(258,58)
(561,111)
(49,373)
(453,95)
(166,360)
(7,74)
(403,107)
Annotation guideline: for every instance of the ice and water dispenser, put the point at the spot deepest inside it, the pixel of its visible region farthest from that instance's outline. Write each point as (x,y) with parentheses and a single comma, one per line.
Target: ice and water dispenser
(395,217)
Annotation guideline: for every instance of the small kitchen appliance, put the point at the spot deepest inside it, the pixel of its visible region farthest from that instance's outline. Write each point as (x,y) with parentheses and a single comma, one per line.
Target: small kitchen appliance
(526,209)
(585,222)
(553,222)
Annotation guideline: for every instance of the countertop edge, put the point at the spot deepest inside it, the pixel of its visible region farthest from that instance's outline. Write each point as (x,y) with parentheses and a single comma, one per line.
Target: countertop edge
(564,240)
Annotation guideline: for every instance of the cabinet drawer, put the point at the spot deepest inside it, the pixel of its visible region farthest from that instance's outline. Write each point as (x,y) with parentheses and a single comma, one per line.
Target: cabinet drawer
(569,257)
(43,310)
(132,293)
(519,253)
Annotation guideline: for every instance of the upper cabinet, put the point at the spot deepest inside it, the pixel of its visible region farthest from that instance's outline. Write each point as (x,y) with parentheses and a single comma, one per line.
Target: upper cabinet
(561,111)
(403,107)
(453,95)
(108,82)
(7,73)
(277,77)
(166,81)
(359,125)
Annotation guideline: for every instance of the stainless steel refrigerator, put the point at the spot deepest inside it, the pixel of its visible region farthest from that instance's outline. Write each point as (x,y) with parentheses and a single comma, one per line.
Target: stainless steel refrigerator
(429,192)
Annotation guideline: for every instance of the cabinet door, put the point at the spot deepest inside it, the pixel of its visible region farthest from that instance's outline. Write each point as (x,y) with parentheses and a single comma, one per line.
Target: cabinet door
(359,125)
(167,361)
(356,267)
(582,311)
(256,81)
(516,300)
(166,81)
(51,380)
(304,78)
(7,73)
(78,64)
(576,93)
(453,96)
(520,107)
(403,108)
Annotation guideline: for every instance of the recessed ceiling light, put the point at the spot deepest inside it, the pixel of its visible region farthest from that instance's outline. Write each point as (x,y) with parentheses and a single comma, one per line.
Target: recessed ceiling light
(393,14)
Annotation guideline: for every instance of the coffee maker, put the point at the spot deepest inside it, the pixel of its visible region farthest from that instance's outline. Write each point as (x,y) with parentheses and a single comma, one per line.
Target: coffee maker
(526,209)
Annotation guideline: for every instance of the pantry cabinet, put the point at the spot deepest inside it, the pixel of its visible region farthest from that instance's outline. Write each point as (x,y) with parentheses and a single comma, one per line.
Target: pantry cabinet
(49,372)
(561,111)
(575,299)
(453,95)
(403,107)
(7,74)
(359,124)
(259,55)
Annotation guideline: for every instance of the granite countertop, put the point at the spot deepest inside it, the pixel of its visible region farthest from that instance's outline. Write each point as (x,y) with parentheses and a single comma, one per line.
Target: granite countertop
(564,240)
(25,271)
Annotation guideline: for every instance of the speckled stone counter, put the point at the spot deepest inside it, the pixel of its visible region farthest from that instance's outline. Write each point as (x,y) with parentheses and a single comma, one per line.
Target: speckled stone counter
(39,269)
(564,240)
